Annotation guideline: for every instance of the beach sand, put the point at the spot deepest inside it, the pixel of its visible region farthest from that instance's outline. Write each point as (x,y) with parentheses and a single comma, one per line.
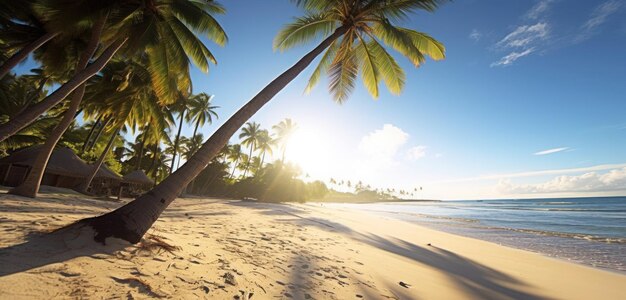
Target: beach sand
(245,250)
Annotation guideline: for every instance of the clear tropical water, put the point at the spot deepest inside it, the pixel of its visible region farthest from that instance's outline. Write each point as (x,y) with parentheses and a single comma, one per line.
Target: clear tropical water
(591,231)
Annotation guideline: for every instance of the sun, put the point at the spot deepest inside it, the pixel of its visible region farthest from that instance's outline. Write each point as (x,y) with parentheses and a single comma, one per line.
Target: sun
(309,149)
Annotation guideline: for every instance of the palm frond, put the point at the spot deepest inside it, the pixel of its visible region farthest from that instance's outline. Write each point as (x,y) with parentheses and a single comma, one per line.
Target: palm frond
(343,73)
(199,19)
(369,69)
(322,66)
(303,30)
(389,70)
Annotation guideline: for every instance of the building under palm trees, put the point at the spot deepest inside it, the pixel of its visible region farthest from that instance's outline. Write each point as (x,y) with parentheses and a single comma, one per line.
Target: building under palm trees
(65,169)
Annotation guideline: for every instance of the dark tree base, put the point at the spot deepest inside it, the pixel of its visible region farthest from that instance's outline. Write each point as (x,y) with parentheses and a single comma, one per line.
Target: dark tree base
(111,225)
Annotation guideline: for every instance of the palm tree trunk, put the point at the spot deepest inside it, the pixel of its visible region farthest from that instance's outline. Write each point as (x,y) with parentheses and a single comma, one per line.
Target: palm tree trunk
(14,60)
(95,124)
(282,159)
(28,116)
(232,173)
(261,164)
(195,130)
(154,158)
(30,186)
(131,221)
(98,163)
(143,142)
(180,127)
(245,171)
(95,139)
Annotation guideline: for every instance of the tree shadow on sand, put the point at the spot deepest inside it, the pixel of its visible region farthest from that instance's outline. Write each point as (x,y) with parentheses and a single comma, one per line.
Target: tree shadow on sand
(40,250)
(476,280)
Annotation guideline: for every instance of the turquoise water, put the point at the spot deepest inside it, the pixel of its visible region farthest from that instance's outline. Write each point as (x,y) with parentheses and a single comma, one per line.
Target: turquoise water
(587,230)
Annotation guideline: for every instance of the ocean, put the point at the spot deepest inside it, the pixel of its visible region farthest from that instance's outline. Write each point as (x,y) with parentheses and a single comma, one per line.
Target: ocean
(590,231)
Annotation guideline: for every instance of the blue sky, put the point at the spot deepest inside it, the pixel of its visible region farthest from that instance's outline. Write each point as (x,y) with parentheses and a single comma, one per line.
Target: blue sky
(474,115)
(520,77)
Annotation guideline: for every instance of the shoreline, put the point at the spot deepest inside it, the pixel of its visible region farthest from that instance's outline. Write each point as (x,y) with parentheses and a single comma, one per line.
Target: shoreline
(293,251)
(605,252)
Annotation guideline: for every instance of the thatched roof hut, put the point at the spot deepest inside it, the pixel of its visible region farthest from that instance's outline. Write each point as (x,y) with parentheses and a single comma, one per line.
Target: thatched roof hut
(64,168)
(137,177)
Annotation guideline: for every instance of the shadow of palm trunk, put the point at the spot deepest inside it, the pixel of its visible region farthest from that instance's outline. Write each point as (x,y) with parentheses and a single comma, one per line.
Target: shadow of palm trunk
(75,240)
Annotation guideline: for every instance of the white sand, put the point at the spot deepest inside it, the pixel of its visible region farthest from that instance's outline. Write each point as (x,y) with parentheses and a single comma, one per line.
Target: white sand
(271,251)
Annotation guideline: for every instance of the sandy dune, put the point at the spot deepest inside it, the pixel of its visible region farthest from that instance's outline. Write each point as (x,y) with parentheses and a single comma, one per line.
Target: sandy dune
(244,250)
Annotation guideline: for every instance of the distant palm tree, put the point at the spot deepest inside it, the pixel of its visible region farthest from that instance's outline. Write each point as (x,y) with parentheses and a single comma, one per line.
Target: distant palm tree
(201,111)
(353,31)
(234,155)
(284,130)
(250,137)
(265,144)
(180,107)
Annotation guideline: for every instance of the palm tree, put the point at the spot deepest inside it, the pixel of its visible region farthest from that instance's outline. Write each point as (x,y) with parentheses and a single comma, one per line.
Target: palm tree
(250,135)
(30,186)
(131,102)
(162,31)
(234,155)
(284,130)
(348,25)
(180,107)
(201,111)
(265,145)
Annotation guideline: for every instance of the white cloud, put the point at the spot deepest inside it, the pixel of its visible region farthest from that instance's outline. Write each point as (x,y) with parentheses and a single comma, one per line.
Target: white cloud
(522,41)
(416,152)
(475,35)
(523,35)
(381,145)
(598,17)
(550,151)
(538,173)
(614,180)
(539,9)
(512,57)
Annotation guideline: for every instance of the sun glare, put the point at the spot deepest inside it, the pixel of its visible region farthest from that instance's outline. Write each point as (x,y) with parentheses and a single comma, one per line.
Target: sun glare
(309,149)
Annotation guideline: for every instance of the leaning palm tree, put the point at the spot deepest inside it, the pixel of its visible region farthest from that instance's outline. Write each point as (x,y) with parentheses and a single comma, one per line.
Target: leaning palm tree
(284,130)
(201,111)
(354,33)
(250,137)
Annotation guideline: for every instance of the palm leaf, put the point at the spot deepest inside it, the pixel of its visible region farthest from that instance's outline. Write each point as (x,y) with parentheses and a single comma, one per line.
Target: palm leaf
(343,73)
(391,73)
(322,66)
(369,70)
(303,30)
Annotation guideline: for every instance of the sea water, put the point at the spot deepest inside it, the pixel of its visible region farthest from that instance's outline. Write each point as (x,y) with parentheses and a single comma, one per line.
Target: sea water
(591,231)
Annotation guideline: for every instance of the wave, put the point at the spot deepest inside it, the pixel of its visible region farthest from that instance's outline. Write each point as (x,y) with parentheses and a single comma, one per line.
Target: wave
(594,238)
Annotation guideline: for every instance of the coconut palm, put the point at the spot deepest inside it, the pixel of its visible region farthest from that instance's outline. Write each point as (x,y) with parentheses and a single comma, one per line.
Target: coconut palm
(129,105)
(30,187)
(180,107)
(161,30)
(122,88)
(284,130)
(234,155)
(201,111)
(353,31)
(265,145)
(250,137)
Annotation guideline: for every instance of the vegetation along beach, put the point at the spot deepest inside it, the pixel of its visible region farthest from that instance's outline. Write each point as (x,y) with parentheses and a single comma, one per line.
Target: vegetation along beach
(312,149)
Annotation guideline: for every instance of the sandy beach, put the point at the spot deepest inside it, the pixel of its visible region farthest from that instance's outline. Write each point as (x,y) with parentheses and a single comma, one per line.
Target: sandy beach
(221,249)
